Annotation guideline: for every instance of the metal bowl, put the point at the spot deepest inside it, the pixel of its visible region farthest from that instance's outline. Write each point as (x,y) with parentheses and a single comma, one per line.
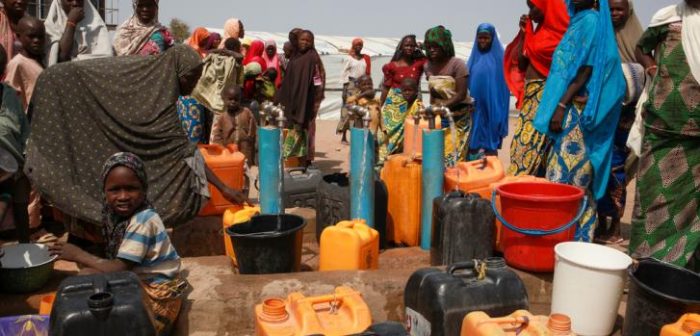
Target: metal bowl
(25,268)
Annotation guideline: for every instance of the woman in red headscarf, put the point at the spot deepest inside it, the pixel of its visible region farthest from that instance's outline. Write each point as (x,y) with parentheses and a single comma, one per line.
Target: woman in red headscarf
(527,62)
(254,55)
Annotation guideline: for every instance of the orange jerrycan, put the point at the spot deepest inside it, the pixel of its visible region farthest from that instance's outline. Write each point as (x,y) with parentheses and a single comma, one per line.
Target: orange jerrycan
(228,164)
(475,176)
(349,245)
(343,312)
(413,136)
(402,177)
(520,323)
(688,325)
(232,216)
(493,186)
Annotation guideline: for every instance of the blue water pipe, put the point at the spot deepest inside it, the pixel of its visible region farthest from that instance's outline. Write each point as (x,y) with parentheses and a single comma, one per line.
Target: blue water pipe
(271,168)
(432,180)
(362,175)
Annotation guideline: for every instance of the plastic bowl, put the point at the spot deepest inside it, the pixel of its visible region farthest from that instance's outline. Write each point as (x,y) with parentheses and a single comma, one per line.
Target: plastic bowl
(25,268)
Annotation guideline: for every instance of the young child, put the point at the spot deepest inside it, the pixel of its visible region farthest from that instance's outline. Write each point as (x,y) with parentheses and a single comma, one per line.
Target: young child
(136,240)
(24,69)
(237,125)
(364,96)
(234,45)
(265,88)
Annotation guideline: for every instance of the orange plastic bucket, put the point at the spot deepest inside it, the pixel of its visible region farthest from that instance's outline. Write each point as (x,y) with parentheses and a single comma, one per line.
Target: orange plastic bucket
(506,180)
(537,216)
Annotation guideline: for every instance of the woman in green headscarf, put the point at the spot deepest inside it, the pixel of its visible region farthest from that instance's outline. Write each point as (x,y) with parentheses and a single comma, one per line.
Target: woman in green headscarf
(447,79)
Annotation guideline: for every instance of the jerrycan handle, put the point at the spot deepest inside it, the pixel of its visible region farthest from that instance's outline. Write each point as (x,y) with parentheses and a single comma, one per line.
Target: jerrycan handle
(212,150)
(465,265)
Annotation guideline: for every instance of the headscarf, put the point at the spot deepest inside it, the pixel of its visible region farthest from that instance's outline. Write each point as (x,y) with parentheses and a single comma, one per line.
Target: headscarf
(198,35)
(132,35)
(256,49)
(488,87)
(91,38)
(539,44)
(273,62)
(690,34)
(232,29)
(418,54)
(442,37)
(297,90)
(210,41)
(115,225)
(83,112)
(590,38)
(628,36)
(368,61)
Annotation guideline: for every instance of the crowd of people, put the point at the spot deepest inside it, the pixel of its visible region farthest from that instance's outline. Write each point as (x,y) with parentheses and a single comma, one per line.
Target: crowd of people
(602,102)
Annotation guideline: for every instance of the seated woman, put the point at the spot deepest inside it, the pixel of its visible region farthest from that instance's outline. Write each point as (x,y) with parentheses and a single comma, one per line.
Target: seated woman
(135,111)
(142,34)
(75,30)
(136,240)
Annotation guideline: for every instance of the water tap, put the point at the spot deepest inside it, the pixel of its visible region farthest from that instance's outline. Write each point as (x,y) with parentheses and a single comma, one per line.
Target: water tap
(271,113)
(358,112)
(430,112)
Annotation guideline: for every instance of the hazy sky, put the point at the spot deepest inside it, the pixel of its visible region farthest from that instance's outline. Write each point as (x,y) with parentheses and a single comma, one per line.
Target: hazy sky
(370,18)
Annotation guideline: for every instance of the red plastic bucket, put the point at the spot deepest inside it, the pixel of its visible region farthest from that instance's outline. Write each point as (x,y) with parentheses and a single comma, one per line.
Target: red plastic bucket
(537,216)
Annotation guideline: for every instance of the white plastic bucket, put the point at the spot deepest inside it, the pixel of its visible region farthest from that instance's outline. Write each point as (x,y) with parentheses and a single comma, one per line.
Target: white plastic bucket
(589,280)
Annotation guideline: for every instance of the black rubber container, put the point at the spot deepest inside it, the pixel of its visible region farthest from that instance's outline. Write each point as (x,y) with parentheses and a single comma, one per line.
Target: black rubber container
(262,248)
(659,294)
(463,229)
(300,187)
(102,304)
(385,329)
(437,301)
(333,204)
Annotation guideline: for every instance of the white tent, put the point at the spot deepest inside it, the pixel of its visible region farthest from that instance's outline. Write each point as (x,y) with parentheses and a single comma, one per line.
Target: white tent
(333,50)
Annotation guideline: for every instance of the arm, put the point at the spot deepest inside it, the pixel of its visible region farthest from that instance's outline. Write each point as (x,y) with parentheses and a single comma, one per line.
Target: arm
(385,93)
(584,73)
(70,252)
(460,96)
(646,46)
(523,61)
(65,45)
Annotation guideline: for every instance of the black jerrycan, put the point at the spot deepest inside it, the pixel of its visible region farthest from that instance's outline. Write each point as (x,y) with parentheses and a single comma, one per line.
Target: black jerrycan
(333,204)
(463,229)
(300,187)
(101,304)
(437,301)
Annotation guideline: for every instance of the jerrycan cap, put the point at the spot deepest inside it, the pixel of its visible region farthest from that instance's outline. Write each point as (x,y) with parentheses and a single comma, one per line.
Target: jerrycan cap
(559,324)
(274,310)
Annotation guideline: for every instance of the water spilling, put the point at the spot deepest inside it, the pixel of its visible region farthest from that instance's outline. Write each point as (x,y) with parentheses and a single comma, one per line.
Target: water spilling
(280,186)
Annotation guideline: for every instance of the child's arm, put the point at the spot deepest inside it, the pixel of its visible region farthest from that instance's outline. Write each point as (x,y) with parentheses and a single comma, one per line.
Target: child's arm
(70,252)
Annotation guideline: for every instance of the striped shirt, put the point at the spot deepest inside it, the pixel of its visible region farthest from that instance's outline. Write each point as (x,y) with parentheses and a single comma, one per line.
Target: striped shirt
(146,243)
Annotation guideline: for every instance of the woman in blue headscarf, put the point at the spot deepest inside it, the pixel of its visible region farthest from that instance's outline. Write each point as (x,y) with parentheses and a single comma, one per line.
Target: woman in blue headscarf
(580,107)
(489,90)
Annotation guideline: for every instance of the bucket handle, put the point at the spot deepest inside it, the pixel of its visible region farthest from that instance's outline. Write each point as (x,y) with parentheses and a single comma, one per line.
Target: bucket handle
(539,233)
